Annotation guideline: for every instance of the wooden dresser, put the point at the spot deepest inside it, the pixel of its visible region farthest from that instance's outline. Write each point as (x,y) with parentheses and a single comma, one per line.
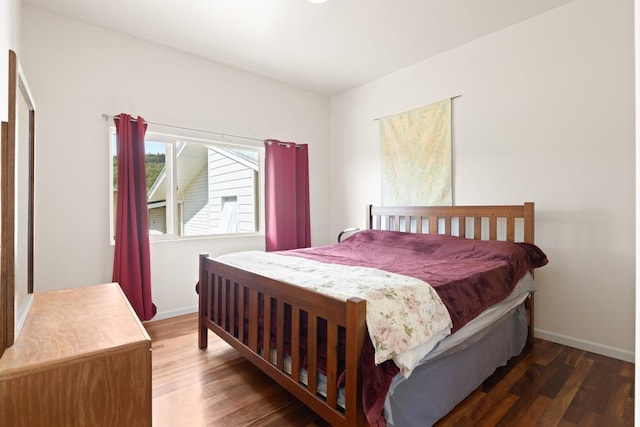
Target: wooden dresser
(82,359)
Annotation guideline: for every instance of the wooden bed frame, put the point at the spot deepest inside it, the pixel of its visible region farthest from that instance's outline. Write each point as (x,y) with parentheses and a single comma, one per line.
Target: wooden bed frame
(222,286)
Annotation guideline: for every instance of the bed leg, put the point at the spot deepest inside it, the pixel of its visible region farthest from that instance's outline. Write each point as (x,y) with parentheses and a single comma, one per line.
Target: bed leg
(530,307)
(203,294)
(203,335)
(355,337)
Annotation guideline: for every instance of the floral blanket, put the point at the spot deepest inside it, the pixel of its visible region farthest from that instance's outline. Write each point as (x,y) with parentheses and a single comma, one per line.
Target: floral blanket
(469,275)
(402,312)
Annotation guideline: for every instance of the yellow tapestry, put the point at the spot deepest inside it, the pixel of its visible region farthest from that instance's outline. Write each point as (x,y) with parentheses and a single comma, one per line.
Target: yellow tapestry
(416,156)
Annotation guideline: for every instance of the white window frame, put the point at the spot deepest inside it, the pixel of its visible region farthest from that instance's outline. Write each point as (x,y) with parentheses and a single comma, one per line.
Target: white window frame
(157,134)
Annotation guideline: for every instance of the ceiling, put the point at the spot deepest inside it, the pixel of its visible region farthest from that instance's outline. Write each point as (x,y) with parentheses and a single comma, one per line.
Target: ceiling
(326,48)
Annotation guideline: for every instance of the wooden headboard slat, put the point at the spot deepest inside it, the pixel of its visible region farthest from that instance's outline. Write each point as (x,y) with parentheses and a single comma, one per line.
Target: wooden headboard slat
(529,222)
(477,227)
(433,224)
(462,226)
(511,229)
(391,217)
(493,228)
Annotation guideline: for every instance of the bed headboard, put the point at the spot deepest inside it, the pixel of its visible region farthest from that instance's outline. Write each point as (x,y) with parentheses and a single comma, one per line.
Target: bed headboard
(512,223)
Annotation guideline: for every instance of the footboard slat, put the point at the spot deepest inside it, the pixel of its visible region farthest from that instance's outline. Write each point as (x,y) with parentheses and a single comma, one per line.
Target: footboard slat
(253,320)
(217,291)
(332,365)
(312,356)
(280,336)
(266,338)
(295,344)
(224,302)
(212,305)
(237,310)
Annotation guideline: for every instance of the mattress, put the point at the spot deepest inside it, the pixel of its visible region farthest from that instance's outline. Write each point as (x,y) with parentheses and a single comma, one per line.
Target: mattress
(438,385)
(474,329)
(461,362)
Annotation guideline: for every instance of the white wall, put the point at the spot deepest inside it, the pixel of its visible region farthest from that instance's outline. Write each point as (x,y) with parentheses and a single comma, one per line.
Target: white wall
(546,115)
(77,72)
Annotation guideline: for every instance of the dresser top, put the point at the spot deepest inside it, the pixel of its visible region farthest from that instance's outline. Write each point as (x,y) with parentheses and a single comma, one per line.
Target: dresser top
(76,324)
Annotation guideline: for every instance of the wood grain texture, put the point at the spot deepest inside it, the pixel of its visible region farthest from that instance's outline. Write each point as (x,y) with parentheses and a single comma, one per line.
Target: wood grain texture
(551,385)
(101,391)
(215,387)
(220,284)
(82,358)
(73,323)
(7,220)
(4,299)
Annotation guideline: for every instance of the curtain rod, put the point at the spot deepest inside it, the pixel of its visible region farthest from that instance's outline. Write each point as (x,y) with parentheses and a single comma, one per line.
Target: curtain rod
(451,98)
(106,117)
(284,144)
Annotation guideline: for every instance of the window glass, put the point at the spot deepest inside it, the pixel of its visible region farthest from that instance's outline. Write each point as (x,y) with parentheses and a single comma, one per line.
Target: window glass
(155,168)
(197,187)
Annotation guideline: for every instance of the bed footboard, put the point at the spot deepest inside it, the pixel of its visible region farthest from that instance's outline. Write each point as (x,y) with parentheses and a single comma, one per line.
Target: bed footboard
(263,319)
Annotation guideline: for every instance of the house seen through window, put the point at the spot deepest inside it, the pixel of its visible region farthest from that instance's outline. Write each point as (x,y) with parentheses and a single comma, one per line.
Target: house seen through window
(197,187)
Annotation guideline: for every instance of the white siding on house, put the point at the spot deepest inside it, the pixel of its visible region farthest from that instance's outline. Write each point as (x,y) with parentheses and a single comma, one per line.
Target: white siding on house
(229,178)
(195,212)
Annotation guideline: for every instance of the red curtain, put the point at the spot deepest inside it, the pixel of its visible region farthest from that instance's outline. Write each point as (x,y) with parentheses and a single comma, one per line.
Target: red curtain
(286,195)
(131,264)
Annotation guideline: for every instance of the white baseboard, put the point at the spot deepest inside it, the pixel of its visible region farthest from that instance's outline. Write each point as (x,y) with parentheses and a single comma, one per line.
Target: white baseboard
(605,350)
(174,313)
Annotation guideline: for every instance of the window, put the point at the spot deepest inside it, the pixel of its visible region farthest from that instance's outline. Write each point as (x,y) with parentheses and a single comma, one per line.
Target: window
(197,186)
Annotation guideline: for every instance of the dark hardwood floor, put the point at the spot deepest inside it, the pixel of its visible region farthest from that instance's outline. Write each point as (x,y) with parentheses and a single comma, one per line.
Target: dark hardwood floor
(551,385)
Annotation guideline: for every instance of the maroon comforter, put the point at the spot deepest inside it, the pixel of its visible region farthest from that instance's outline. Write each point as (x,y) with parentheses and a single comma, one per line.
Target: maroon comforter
(468,275)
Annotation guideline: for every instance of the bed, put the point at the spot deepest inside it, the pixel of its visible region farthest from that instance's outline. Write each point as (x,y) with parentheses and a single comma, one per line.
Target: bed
(318,346)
